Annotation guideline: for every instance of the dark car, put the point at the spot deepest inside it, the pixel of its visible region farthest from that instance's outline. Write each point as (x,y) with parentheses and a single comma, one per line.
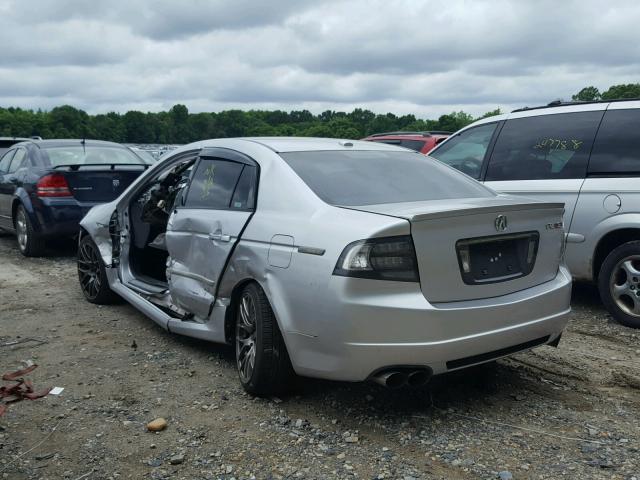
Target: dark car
(422,142)
(47,186)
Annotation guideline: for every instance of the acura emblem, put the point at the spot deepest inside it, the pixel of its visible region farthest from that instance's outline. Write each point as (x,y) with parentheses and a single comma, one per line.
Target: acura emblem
(501,223)
(116,183)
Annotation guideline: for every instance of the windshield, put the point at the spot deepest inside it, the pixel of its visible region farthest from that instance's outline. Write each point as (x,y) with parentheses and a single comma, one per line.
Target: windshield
(90,155)
(375,177)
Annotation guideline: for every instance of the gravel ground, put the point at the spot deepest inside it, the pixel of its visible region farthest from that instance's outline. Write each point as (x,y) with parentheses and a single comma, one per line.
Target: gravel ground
(570,412)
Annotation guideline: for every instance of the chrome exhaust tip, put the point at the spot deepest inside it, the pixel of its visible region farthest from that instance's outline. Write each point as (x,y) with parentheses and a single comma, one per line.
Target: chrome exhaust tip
(391,379)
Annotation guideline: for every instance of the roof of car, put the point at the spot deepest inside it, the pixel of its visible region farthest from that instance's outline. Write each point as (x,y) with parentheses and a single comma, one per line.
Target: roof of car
(560,107)
(297,144)
(412,135)
(66,142)
(560,103)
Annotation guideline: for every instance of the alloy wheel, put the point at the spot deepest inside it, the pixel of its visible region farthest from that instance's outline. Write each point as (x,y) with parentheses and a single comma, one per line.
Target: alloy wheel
(624,285)
(89,269)
(246,337)
(22,229)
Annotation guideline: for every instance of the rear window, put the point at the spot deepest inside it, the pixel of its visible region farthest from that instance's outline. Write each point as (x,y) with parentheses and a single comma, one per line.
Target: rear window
(353,178)
(617,146)
(416,145)
(90,155)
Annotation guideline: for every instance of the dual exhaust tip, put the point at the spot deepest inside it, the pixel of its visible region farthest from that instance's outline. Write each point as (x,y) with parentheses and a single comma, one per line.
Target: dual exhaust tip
(398,378)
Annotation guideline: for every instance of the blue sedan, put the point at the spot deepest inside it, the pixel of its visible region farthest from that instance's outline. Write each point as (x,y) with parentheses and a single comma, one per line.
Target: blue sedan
(47,186)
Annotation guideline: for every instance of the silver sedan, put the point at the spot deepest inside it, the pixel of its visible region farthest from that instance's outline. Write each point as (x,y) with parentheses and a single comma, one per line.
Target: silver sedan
(327,258)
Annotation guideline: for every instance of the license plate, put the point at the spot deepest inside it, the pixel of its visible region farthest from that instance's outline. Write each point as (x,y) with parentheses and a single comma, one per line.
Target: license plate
(497,258)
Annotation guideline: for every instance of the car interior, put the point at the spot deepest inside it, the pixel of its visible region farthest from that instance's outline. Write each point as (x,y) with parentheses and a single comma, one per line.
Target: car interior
(149,213)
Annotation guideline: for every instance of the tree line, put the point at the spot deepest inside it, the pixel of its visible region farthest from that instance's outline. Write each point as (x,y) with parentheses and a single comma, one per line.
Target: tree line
(178,125)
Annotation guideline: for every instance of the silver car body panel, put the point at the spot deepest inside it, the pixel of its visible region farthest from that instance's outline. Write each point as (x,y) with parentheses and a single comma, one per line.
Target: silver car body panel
(594,207)
(338,327)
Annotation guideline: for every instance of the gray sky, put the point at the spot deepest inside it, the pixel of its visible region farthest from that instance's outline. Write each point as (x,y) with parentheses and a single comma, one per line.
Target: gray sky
(403,56)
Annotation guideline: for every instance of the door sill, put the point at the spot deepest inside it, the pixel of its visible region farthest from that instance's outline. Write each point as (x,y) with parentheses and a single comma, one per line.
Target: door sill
(147,287)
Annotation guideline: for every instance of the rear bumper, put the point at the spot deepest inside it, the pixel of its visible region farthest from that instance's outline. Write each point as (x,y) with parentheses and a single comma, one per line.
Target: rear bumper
(59,216)
(372,333)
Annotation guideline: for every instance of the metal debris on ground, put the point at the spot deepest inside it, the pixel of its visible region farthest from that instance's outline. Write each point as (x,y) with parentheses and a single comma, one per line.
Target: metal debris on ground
(20,341)
(20,390)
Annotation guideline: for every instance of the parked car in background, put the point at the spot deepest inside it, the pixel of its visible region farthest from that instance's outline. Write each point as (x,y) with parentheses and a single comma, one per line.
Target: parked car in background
(586,155)
(47,186)
(145,155)
(422,142)
(335,259)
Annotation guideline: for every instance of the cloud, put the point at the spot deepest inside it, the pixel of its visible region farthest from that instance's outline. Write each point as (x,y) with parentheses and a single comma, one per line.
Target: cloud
(405,56)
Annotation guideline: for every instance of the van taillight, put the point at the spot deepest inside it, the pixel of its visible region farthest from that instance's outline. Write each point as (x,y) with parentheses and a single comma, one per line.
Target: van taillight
(54,185)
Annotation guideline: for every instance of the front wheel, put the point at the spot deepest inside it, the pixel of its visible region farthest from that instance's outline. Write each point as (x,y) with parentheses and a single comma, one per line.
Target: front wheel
(263,363)
(92,274)
(619,284)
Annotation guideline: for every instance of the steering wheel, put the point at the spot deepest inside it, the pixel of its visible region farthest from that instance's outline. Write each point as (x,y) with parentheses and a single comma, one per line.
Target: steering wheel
(470,165)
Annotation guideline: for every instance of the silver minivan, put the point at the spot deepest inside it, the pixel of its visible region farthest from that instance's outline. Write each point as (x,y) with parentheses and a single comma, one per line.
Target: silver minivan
(586,155)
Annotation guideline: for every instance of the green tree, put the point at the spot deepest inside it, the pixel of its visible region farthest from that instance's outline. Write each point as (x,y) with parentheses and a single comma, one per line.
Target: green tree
(492,113)
(179,117)
(137,129)
(587,94)
(454,121)
(629,90)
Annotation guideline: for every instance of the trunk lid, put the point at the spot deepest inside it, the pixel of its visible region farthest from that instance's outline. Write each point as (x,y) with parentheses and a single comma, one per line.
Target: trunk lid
(481,247)
(99,183)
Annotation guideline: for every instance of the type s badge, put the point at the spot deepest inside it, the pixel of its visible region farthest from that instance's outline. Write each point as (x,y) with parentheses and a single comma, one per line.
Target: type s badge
(554,226)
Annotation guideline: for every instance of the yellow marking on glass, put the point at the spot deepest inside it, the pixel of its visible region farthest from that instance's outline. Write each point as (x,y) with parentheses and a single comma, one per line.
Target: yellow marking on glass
(207,184)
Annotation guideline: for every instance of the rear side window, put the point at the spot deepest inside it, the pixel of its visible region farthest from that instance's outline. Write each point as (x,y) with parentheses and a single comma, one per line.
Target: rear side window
(544,147)
(213,184)
(355,178)
(244,197)
(466,151)
(18,160)
(617,147)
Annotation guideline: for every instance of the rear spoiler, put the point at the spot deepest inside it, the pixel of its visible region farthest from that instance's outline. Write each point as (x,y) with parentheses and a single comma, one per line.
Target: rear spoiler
(108,166)
(498,208)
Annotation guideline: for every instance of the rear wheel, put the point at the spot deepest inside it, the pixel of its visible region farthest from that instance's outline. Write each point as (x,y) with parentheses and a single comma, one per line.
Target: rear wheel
(619,283)
(29,242)
(92,274)
(263,363)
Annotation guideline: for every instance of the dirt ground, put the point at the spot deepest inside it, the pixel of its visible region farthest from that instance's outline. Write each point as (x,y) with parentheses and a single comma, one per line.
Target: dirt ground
(571,412)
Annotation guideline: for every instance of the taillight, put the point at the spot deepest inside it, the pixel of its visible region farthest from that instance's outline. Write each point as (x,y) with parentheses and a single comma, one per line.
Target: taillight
(53,185)
(388,258)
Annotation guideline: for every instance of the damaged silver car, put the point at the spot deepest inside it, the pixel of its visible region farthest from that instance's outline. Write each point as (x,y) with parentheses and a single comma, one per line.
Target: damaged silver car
(335,259)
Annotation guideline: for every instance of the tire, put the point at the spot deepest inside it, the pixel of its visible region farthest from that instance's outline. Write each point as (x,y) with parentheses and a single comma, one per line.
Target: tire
(264,367)
(92,274)
(29,242)
(619,284)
